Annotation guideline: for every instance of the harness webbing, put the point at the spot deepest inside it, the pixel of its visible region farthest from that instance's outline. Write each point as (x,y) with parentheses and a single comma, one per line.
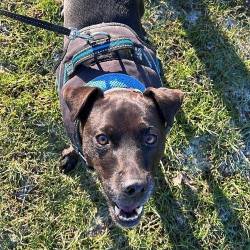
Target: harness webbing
(94,51)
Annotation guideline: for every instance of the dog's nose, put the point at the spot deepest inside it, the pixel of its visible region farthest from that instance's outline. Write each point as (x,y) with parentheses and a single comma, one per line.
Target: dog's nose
(134,188)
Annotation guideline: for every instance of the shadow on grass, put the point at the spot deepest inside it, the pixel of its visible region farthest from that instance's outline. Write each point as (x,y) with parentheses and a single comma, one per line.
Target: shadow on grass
(175,222)
(230,79)
(178,225)
(236,236)
(88,184)
(186,126)
(223,65)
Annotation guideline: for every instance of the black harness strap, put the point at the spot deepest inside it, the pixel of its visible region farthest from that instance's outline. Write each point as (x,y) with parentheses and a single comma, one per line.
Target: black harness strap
(37,23)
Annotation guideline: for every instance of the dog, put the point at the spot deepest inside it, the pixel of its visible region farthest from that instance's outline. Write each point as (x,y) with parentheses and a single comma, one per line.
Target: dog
(120,132)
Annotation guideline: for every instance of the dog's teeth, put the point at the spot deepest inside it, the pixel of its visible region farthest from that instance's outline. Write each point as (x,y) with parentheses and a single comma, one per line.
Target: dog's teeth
(139,210)
(134,218)
(123,218)
(129,218)
(117,210)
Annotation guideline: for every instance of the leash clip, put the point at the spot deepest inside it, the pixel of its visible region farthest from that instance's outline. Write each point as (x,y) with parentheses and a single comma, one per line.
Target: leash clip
(75,33)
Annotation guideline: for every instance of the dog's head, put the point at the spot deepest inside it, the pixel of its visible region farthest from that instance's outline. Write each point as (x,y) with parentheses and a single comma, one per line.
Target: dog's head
(123,136)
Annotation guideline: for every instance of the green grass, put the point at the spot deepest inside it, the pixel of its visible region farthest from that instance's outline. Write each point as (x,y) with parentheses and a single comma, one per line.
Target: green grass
(205,50)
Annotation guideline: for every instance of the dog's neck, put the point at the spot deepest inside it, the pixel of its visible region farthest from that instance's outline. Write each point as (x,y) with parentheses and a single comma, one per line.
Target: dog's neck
(79,13)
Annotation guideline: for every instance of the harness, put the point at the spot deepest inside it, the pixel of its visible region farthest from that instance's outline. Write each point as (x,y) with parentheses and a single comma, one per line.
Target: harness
(105,42)
(101,43)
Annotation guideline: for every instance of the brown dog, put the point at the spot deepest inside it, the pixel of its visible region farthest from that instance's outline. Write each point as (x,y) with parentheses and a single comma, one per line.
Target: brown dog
(121,131)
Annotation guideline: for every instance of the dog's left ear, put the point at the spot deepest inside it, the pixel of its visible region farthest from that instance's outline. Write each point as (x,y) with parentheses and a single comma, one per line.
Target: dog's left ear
(167,101)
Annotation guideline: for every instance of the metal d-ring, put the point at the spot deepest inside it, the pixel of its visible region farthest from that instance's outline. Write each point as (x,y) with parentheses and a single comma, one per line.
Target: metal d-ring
(100,35)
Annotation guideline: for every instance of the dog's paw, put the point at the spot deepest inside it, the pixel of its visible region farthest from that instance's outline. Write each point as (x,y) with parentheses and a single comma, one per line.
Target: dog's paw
(68,160)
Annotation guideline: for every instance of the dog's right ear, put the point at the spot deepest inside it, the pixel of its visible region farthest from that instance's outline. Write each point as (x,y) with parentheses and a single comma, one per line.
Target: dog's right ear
(168,102)
(80,99)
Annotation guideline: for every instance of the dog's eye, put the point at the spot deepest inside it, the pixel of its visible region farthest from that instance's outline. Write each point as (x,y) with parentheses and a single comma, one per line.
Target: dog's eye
(102,139)
(150,139)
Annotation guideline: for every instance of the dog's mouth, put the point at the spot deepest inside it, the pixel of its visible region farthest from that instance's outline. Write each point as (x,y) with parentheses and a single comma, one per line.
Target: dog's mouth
(132,215)
(125,212)
(126,217)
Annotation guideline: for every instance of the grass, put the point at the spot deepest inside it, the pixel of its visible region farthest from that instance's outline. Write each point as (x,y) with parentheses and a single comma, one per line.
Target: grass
(202,199)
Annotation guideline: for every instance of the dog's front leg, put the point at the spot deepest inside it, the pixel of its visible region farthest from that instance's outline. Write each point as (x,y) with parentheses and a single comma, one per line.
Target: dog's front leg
(68,160)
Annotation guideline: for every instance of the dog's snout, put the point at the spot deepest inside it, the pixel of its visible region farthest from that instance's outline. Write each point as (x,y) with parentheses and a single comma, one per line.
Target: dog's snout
(134,188)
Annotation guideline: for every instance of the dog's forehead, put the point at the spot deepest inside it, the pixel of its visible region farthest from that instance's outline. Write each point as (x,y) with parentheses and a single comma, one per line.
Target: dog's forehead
(121,109)
(124,101)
